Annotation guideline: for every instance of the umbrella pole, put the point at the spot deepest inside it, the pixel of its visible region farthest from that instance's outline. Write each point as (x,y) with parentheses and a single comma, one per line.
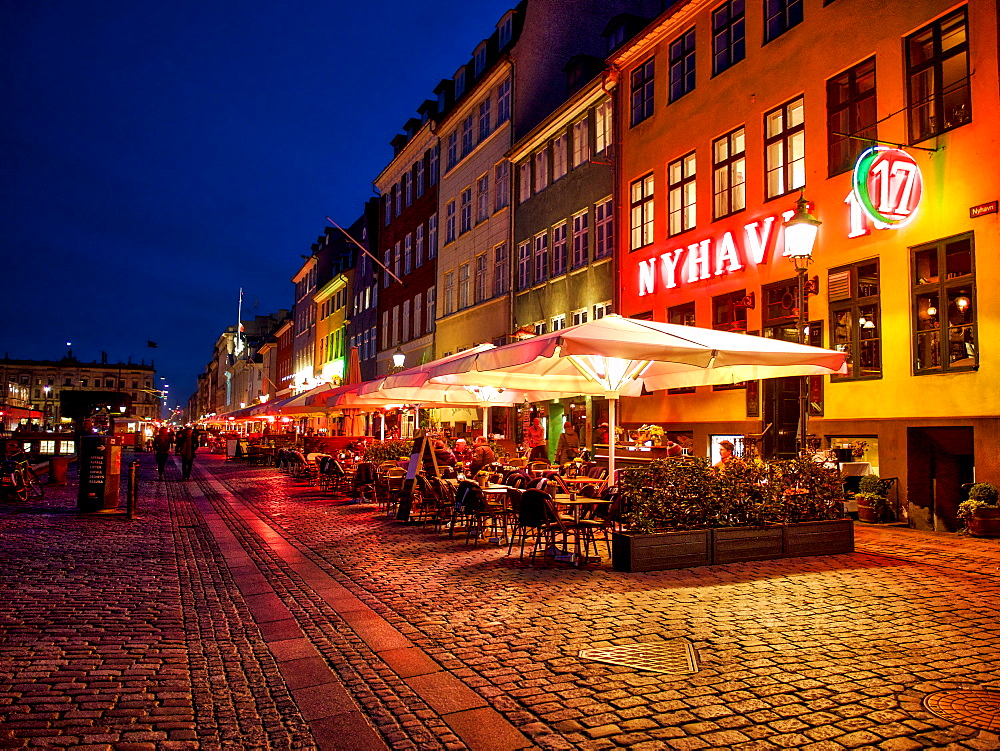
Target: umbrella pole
(612,409)
(486,421)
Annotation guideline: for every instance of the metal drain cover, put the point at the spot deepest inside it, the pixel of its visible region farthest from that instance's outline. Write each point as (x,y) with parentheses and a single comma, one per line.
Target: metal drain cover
(976,708)
(676,656)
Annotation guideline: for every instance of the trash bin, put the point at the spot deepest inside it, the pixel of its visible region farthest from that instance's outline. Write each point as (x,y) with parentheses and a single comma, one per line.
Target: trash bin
(100,462)
(58,466)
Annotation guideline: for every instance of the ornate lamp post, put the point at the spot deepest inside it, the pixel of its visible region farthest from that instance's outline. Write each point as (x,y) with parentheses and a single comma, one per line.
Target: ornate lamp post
(398,358)
(800,236)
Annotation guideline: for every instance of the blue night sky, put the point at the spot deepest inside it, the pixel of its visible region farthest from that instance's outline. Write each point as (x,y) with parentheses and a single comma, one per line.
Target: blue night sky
(159,156)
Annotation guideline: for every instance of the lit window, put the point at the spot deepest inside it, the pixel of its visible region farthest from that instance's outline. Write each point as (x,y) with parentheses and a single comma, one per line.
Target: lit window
(603,136)
(855,321)
(937,71)
(944,306)
(642,212)
(581,142)
(850,116)
(681,196)
(464,286)
(558,157)
(785,148)
(729,173)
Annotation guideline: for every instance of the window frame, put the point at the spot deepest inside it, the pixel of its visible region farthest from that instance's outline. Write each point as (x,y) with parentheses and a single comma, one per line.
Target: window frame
(681,66)
(784,138)
(729,28)
(560,249)
(604,228)
(581,239)
(682,194)
(642,210)
(852,106)
(854,304)
(540,257)
(642,91)
(728,166)
(786,15)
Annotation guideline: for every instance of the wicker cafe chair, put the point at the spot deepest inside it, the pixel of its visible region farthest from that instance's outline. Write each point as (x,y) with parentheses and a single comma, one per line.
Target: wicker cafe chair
(487,521)
(444,492)
(531,522)
(394,479)
(607,519)
(364,481)
(426,504)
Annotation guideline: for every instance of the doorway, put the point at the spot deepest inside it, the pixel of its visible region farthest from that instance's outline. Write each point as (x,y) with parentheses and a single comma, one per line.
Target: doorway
(781,412)
(939,462)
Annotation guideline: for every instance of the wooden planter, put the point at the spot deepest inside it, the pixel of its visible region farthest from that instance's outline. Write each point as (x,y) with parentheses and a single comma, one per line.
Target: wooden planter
(661,550)
(667,550)
(735,544)
(819,538)
(985,522)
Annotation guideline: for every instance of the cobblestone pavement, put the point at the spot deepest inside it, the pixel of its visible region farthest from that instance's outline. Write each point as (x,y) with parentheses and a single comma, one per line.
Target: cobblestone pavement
(246,610)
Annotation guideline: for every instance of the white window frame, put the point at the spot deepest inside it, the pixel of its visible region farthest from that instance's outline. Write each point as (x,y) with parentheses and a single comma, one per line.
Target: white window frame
(581,142)
(560,146)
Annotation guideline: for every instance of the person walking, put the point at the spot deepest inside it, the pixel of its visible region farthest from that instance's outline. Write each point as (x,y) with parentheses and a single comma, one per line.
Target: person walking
(161,449)
(534,439)
(187,445)
(568,447)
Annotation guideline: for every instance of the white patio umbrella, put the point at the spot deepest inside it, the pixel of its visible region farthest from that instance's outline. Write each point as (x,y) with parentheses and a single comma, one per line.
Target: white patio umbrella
(615,356)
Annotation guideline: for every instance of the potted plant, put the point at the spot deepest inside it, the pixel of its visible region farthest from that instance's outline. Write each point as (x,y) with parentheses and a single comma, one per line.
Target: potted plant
(980,512)
(749,511)
(873,499)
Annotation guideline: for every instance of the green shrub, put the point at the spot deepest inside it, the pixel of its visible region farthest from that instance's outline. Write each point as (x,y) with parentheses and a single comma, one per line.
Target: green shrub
(874,485)
(388,451)
(984,492)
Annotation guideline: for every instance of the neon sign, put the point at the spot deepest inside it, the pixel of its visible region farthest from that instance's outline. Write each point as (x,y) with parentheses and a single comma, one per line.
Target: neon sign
(704,259)
(887,188)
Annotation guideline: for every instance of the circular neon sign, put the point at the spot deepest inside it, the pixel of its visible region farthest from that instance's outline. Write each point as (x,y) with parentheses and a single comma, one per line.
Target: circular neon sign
(888,185)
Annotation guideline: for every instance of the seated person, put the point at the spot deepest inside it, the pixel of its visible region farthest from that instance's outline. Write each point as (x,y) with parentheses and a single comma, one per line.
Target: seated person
(673,449)
(482,455)
(725,453)
(444,455)
(462,451)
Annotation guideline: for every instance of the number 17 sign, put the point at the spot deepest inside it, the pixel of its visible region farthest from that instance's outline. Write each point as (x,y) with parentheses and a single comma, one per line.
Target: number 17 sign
(887,188)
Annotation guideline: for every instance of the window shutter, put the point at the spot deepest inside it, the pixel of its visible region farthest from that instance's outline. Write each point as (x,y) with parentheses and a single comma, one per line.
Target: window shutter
(838,286)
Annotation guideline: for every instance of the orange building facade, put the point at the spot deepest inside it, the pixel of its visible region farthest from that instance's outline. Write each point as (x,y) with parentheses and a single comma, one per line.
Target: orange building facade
(886,122)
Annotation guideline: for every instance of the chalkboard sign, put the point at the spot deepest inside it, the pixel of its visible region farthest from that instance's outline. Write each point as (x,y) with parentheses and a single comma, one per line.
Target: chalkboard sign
(421,444)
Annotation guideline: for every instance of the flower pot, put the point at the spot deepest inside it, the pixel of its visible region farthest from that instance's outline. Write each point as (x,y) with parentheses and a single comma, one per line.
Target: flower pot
(735,544)
(660,550)
(866,512)
(985,522)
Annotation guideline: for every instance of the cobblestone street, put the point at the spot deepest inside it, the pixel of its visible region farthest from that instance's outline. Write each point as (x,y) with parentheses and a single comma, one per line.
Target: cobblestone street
(244,609)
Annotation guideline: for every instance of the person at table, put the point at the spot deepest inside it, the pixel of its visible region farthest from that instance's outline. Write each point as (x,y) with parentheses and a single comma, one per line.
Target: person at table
(725,453)
(482,455)
(568,447)
(443,455)
(601,434)
(462,451)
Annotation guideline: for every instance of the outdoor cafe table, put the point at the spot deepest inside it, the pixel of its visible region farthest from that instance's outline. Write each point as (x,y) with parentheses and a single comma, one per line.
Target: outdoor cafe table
(575,505)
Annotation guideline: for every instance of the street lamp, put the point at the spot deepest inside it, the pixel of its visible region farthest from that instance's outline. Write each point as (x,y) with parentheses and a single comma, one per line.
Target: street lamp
(800,236)
(398,358)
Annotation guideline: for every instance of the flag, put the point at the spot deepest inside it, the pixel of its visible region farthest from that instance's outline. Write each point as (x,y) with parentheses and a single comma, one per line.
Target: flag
(153,345)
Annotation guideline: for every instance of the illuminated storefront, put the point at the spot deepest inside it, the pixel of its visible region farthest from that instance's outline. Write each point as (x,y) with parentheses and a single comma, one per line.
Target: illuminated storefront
(728,114)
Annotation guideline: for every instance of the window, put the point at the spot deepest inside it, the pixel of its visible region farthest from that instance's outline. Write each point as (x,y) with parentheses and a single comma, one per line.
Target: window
(419,247)
(581,142)
(449,222)
(432,237)
(540,328)
(387,262)
(558,322)
(501,185)
(466,197)
(642,212)
(395,325)
(541,169)
(452,149)
(642,92)
(467,136)
(484,120)
(603,136)
(387,208)
(449,292)
(682,76)
(681,196)
(559,249)
(397,199)
(855,323)
(728,35)
(464,286)
(524,180)
(729,174)
(418,314)
(580,239)
(431,307)
(503,102)
(385,329)
(482,290)
(408,254)
(541,267)
(850,116)
(579,316)
(419,177)
(681,315)
(558,157)
(944,298)
(780,16)
(506,30)
(728,311)
(435,164)
(524,265)
(501,266)
(602,309)
(459,79)
(406,321)
(407,189)
(397,263)
(604,241)
(483,198)
(937,72)
(616,36)
(480,59)
(785,148)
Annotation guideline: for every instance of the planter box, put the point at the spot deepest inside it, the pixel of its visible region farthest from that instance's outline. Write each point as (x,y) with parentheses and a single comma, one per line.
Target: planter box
(659,551)
(985,522)
(735,544)
(702,547)
(819,538)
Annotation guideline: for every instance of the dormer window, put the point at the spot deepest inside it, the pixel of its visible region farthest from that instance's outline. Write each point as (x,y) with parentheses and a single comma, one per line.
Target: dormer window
(459,82)
(506,30)
(480,58)
(616,37)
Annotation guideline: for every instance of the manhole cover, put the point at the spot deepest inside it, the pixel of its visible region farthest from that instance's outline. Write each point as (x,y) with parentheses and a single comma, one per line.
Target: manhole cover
(676,656)
(976,708)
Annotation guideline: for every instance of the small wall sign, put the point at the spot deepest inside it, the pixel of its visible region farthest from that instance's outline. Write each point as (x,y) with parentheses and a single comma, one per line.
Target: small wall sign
(983,209)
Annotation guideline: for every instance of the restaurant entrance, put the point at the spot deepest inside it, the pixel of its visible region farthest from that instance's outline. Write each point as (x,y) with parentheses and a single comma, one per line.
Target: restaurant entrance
(939,462)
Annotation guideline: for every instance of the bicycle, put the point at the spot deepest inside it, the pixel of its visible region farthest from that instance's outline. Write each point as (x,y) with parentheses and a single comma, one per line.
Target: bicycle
(17,477)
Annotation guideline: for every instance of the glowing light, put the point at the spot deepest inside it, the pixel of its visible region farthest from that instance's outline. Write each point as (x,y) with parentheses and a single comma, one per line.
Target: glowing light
(962,303)
(610,372)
